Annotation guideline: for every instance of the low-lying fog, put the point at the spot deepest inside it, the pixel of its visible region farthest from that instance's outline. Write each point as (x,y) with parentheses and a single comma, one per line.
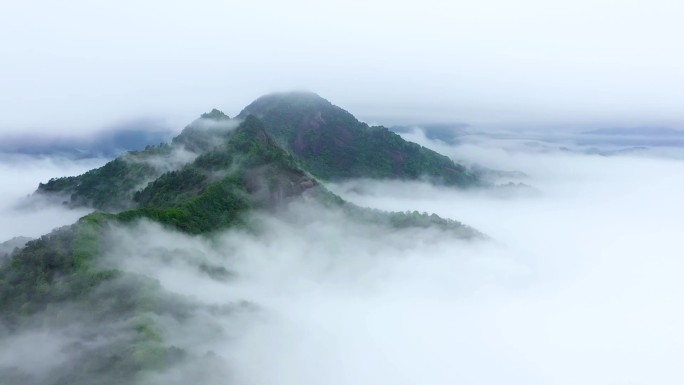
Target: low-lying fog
(20,177)
(579,284)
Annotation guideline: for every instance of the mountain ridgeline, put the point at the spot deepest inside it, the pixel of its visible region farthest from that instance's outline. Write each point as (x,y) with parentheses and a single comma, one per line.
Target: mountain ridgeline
(324,140)
(212,177)
(218,168)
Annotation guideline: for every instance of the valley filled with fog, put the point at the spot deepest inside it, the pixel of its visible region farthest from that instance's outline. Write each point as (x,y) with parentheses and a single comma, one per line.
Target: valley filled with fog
(577,279)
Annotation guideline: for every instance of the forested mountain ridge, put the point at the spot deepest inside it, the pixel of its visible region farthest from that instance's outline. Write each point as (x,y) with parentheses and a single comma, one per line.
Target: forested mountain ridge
(234,169)
(235,165)
(325,140)
(112,186)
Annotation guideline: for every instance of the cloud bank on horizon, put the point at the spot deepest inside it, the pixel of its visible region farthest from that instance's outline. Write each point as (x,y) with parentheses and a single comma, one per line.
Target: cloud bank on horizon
(487,63)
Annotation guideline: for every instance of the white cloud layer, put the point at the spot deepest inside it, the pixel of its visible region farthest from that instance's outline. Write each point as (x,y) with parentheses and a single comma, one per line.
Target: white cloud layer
(580,284)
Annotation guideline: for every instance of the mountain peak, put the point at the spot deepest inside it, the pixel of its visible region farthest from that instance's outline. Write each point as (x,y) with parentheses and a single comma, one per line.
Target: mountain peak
(215,114)
(296,100)
(332,144)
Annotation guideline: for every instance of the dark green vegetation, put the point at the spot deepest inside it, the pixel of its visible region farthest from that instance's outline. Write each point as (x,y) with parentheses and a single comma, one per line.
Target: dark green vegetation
(60,282)
(105,188)
(112,186)
(332,144)
(248,170)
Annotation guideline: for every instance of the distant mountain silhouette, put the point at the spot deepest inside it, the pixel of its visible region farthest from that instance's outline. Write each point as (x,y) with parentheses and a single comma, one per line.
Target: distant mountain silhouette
(109,143)
(637,131)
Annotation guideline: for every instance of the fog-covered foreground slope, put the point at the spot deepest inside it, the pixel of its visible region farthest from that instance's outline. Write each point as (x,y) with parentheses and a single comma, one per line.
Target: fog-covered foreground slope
(160,306)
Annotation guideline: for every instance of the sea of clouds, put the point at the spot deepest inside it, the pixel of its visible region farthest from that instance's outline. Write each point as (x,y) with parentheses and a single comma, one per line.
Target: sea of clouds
(578,283)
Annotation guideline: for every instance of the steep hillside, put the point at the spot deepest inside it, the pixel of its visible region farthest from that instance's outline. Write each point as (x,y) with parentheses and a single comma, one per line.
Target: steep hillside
(112,186)
(249,170)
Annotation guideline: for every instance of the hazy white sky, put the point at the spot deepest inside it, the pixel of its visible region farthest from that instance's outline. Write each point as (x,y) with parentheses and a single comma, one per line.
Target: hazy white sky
(81,65)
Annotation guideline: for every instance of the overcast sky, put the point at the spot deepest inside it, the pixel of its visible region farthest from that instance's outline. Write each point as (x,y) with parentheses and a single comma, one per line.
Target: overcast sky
(76,65)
